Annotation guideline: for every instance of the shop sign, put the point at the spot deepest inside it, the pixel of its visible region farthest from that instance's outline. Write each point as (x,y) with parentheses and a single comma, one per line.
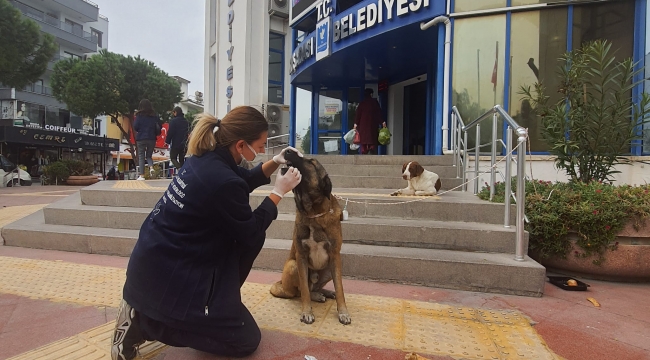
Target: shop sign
(42,137)
(230,71)
(303,52)
(7,109)
(62,129)
(323,31)
(373,14)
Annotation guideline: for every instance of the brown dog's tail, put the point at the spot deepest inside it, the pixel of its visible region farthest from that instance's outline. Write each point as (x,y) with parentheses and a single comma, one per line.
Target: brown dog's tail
(438,185)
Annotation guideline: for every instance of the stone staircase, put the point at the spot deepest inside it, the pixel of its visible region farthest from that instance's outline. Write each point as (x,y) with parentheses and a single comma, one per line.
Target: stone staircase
(453,241)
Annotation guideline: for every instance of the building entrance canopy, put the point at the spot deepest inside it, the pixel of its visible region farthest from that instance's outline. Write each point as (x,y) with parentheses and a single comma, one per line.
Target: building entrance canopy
(372,41)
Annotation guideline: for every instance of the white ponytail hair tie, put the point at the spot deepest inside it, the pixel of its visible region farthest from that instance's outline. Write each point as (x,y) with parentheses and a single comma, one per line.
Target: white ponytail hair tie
(216,127)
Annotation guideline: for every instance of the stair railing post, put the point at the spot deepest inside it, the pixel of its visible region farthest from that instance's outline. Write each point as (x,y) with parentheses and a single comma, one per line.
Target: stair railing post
(508,192)
(453,140)
(465,160)
(476,157)
(493,155)
(521,249)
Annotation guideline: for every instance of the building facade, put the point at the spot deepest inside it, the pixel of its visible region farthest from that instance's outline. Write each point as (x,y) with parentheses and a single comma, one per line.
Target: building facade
(36,127)
(479,54)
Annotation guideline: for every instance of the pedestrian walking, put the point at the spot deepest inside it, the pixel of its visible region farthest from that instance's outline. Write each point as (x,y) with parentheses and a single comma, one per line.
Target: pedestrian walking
(179,127)
(367,121)
(147,128)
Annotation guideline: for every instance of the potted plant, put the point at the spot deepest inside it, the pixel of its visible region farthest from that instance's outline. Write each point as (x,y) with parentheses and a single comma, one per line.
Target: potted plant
(56,173)
(80,173)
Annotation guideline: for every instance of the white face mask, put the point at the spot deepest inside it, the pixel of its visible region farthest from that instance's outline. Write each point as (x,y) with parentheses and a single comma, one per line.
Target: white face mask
(248,164)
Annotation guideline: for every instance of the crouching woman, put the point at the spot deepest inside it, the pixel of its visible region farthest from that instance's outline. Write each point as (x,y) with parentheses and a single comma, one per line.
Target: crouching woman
(197,246)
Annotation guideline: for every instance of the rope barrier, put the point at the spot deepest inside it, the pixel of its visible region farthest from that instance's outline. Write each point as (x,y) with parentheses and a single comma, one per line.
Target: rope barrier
(438,194)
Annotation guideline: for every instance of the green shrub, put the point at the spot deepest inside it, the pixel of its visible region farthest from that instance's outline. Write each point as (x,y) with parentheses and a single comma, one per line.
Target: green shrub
(56,172)
(79,168)
(594,213)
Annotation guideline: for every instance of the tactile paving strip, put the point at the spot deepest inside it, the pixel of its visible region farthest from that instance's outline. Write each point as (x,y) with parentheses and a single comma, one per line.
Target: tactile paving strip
(426,328)
(135,185)
(13,213)
(93,344)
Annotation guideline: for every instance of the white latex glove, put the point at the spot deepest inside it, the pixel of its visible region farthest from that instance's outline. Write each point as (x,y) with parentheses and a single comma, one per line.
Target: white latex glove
(285,183)
(279,158)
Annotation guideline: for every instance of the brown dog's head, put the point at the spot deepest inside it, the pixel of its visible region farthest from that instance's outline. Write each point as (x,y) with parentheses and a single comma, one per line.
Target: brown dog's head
(315,185)
(411,169)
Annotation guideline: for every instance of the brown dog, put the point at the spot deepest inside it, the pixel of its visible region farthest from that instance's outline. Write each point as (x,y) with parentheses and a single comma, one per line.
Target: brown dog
(315,256)
(421,182)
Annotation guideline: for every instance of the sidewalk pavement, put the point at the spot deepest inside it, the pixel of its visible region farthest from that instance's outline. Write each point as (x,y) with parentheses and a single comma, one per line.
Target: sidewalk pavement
(64,305)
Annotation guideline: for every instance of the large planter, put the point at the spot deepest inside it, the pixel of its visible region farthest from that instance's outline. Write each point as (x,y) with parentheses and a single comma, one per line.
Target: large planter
(82,180)
(629,263)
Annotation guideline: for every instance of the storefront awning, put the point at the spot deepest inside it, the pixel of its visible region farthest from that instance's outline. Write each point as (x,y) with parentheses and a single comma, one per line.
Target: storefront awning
(31,136)
(392,50)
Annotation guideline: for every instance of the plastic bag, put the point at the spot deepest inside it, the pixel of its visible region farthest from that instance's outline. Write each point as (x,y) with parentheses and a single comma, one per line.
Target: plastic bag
(354,146)
(357,138)
(384,136)
(349,137)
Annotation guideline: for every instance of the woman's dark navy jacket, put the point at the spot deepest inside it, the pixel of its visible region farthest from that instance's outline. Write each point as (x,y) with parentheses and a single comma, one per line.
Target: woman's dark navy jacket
(186,258)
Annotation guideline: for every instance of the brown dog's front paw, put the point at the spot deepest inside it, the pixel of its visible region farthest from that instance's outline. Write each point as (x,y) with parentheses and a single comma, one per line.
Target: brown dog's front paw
(345,318)
(307,318)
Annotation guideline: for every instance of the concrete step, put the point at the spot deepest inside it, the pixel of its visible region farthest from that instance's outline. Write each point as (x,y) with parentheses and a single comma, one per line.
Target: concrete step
(460,236)
(393,182)
(384,170)
(428,160)
(486,272)
(452,206)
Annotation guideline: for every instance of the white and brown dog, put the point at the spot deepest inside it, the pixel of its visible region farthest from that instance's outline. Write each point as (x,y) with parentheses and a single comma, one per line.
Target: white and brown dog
(421,182)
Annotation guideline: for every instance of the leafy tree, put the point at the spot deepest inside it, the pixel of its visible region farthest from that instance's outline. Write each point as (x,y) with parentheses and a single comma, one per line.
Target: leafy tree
(189,116)
(24,49)
(113,84)
(592,128)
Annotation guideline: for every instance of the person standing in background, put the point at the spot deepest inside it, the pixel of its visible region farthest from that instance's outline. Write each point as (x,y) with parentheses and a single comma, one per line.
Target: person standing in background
(367,122)
(147,127)
(179,127)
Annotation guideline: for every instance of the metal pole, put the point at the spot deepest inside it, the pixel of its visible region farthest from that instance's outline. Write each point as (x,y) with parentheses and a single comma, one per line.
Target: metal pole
(522,248)
(465,162)
(458,149)
(476,157)
(493,155)
(508,193)
(453,139)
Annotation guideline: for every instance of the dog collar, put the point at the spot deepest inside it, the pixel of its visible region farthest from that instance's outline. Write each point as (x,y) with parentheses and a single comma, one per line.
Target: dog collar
(331,211)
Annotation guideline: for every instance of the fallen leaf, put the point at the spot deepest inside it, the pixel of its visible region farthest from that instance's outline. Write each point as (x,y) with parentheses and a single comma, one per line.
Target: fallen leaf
(593,301)
(413,356)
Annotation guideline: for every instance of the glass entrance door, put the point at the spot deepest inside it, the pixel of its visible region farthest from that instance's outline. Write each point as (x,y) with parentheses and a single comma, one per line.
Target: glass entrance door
(330,117)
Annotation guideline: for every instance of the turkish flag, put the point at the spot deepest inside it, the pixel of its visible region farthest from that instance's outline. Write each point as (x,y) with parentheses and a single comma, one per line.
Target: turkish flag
(160,140)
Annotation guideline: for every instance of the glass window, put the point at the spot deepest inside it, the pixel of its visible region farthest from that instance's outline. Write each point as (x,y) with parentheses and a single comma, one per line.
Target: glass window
(613,21)
(538,39)
(52,116)
(96,36)
(275,66)
(275,94)
(478,68)
(303,120)
(472,5)
(276,41)
(330,109)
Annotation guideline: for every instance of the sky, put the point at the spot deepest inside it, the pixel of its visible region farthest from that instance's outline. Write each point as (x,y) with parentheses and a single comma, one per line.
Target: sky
(170,33)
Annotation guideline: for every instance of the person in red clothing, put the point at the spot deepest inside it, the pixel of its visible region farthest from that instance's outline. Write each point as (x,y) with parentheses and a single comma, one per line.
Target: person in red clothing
(367,122)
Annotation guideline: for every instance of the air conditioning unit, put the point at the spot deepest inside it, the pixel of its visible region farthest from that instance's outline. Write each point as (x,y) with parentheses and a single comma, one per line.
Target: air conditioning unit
(279,8)
(278,117)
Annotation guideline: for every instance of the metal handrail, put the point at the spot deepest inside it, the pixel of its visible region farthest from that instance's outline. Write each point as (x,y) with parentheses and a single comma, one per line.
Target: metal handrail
(274,138)
(461,151)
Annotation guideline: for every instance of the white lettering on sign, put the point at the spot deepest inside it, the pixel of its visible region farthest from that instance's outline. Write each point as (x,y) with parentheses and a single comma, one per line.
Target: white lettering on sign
(230,72)
(61,129)
(375,13)
(303,52)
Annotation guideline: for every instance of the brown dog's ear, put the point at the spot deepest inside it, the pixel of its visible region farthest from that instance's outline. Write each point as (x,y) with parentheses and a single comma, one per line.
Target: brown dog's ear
(417,169)
(326,186)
